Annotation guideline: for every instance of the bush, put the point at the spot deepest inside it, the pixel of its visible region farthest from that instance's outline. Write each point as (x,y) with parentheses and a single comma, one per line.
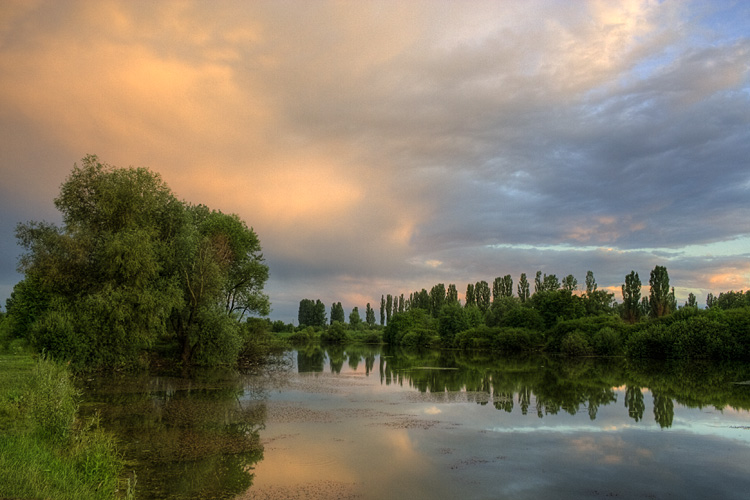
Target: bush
(523,317)
(654,341)
(606,342)
(575,344)
(336,334)
(700,337)
(302,336)
(517,340)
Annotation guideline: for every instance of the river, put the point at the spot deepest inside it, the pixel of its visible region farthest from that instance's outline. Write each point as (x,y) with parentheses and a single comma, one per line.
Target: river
(365,423)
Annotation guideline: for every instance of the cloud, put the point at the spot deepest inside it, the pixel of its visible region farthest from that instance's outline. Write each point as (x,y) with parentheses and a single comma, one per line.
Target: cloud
(385,147)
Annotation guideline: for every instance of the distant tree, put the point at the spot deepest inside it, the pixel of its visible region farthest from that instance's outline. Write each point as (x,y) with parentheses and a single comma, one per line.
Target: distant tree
(470,297)
(538,282)
(523,288)
(660,301)
(388,307)
(590,283)
(482,295)
(502,287)
(354,318)
(710,300)
(401,305)
(437,299)
(451,320)
(691,301)
(451,295)
(506,286)
(569,283)
(369,316)
(551,283)
(631,297)
(421,300)
(645,308)
(496,284)
(337,313)
(311,313)
(382,310)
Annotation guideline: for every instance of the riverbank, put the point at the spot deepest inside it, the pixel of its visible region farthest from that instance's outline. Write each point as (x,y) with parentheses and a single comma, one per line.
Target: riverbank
(46,451)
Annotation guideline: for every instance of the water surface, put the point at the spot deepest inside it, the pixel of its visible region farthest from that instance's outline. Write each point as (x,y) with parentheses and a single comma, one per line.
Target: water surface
(361,423)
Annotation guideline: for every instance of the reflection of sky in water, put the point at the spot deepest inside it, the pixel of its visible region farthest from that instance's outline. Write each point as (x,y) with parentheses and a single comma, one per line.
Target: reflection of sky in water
(392,441)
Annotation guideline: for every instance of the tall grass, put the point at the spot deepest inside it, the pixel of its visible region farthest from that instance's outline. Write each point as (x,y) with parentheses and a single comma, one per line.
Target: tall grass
(45,451)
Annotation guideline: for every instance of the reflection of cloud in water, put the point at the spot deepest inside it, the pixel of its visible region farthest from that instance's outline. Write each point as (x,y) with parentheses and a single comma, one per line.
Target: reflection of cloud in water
(433,410)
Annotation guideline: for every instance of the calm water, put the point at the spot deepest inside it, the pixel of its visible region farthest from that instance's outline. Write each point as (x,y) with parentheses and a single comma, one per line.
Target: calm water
(365,424)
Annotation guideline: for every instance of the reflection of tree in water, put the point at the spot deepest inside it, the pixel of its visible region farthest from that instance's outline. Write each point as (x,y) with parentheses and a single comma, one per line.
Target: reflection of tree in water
(184,438)
(634,402)
(311,358)
(554,385)
(663,409)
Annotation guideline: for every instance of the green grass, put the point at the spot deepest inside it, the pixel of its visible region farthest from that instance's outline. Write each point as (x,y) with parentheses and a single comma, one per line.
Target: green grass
(45,451)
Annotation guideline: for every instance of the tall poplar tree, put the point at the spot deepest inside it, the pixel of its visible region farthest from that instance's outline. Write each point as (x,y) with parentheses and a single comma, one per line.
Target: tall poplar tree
(451,294)
(631,297)
(369,315)
(523,288)
(660,301)
(470,297)
(382,310)
(482,295)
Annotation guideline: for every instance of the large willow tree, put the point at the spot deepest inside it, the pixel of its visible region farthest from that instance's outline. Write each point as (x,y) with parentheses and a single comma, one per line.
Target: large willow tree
(131,264)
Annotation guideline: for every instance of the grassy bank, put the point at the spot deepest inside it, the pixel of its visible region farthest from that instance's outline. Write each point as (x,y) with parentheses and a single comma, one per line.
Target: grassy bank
(45,450)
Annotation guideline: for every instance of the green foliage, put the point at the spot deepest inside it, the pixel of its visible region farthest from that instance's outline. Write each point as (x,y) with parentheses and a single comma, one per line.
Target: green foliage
(418,324)
(312,313)
(452,320)
(607,342)
(354,319)
(631,298)
(558,305)
(337,313)
(482,295)
(501,306)
(132,264)
(523,317)
(575,343)
(52,399)
(513,340)
(660,298)
(730,300)
(369,316)
(27,302)
(653,341)
(437,299)
(523,288)
(336,334)
(470,297)
(215,338)
(590,327)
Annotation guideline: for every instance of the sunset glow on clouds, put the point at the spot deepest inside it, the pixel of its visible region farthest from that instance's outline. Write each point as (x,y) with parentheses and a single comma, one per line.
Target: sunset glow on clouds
(382,147)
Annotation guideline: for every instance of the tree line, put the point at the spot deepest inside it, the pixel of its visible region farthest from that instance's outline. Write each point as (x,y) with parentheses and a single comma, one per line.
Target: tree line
(557,316)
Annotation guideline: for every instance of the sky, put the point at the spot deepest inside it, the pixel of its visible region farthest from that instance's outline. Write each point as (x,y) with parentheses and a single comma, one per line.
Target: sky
(382,147)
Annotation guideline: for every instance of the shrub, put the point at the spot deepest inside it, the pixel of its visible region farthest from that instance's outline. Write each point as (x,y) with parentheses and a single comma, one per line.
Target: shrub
(700,337)
(517,340)
(575,344)
(336,334)
(606,342)
(523,317)
(654,341)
